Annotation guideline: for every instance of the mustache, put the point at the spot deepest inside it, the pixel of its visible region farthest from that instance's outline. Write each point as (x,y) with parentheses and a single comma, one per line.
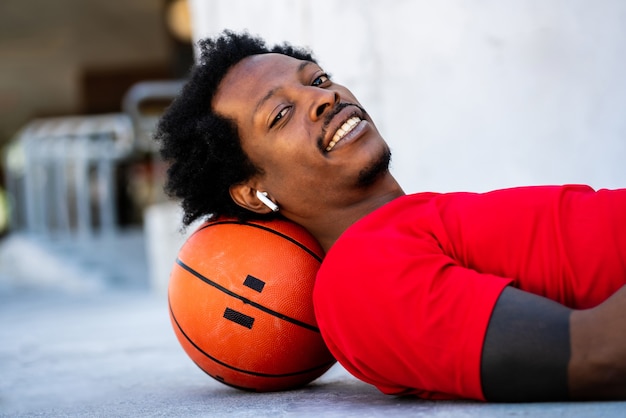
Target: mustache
(329,117)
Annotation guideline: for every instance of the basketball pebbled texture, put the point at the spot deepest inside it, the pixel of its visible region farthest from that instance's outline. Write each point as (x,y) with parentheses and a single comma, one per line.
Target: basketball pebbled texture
(240,298)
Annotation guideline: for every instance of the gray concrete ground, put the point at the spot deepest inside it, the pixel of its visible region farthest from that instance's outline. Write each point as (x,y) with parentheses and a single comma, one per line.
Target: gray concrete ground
(110,351)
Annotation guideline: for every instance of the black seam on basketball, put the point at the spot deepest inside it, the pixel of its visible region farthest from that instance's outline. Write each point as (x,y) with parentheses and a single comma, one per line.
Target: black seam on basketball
(326,364)
(246,300)
(200,229)
(224,382)
(265,228)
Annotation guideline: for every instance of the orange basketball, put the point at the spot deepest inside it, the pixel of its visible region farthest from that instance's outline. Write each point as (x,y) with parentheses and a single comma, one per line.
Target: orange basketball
(240,297)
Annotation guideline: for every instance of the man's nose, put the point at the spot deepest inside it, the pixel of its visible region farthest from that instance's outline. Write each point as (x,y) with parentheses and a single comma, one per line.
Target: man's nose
(324,101)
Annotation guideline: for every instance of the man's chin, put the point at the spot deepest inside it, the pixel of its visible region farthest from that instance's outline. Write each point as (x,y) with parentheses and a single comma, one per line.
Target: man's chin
(374,171)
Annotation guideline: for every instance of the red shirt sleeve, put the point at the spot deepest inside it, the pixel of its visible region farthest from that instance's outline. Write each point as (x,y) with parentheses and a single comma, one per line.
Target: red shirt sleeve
(398,313)
(566,243)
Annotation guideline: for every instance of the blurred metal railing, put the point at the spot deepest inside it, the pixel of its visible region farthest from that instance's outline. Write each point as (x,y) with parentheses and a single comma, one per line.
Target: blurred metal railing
(60,171)
(144,103)
(62,174)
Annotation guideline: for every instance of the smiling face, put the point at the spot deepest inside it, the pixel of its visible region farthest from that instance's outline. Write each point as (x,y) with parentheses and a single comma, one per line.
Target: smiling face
(315,146)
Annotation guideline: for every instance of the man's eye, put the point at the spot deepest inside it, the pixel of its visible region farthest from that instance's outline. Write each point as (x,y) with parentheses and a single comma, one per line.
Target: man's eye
(320,80)
(279,116)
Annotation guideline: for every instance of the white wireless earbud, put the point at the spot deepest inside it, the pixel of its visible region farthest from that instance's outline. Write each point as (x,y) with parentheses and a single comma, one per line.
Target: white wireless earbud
(266,201)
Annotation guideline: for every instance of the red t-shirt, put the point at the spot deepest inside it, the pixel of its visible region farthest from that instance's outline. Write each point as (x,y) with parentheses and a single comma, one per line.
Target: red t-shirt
(404,297)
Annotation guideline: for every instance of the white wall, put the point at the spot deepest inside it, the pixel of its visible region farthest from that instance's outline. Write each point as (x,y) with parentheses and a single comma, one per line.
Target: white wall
(471,95)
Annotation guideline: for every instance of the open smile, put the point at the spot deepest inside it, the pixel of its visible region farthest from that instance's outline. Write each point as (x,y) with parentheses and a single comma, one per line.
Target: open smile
(343,130)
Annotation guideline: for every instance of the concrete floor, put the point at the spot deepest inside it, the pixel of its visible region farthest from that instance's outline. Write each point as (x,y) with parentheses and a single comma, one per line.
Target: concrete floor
(110,351)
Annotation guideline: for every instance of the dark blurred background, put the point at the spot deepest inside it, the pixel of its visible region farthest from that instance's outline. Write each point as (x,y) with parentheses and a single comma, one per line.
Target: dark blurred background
(80,57)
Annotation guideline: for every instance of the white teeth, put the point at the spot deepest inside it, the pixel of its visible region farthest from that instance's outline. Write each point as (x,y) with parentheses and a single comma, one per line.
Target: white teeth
(343,130)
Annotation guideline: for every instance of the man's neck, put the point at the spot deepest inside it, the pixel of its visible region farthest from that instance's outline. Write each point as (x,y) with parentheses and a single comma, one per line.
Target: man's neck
(329,226)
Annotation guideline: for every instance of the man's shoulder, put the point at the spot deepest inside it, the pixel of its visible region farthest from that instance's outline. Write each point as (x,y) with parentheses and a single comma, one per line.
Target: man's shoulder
(404,208)
(399,224)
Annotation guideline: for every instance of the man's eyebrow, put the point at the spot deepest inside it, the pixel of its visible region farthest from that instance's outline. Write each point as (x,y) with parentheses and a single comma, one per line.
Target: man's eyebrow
(304,64)
(273,91)
(265,99)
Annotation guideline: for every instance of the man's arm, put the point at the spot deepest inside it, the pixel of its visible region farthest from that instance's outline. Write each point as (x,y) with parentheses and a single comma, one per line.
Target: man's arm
(538,350)
(597,367)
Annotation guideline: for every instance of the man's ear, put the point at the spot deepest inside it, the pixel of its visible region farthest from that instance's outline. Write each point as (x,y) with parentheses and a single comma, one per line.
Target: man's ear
(245,196)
